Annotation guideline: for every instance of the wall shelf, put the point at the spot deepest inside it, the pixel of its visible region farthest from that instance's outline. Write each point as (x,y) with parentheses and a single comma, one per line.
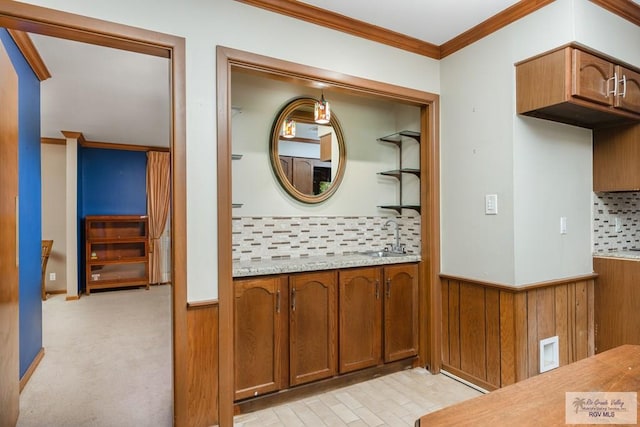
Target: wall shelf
(398,139)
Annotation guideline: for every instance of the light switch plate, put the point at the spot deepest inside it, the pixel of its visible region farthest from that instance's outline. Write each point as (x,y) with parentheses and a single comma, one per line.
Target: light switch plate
(491,204)
(563,225)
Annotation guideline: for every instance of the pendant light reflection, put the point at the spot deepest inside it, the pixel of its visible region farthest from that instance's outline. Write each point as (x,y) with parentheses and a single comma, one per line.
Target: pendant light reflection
(322,111)
(289,128)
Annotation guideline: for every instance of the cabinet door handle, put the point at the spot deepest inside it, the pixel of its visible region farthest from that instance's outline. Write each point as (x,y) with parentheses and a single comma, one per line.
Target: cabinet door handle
(613,92)
(388,287)
(278,301)
(377,289)
(293,299)
(624,86)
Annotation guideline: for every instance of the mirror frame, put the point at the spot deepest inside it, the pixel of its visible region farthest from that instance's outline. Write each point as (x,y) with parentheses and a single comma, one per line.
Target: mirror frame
(276,166)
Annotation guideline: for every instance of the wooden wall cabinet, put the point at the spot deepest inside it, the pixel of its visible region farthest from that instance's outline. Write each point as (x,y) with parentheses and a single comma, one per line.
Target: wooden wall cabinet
(378,319)
(617,298)
(616,156)
(116,251)
(572,85)
(260,336)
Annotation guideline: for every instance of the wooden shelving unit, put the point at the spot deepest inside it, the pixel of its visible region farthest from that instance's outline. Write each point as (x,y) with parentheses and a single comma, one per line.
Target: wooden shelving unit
(116,251)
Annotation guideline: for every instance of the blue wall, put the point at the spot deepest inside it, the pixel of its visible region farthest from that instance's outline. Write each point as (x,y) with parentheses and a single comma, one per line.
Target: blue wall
(29,190)
(110,182)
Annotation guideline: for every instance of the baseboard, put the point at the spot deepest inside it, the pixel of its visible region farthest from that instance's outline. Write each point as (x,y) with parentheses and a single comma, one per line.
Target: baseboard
(32,368)
(72,297)
(56,291)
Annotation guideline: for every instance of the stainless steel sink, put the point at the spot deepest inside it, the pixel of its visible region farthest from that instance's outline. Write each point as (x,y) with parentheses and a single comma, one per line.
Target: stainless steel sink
(383,254)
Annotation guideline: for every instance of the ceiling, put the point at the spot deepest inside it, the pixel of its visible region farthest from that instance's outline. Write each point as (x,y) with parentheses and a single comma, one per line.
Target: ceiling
(122,97)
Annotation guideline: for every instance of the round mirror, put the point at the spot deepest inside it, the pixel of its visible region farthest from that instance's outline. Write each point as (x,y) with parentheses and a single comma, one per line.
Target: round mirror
(307,158)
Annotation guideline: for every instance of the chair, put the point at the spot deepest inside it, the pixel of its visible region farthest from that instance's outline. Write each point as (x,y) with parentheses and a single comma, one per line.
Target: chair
(46,251)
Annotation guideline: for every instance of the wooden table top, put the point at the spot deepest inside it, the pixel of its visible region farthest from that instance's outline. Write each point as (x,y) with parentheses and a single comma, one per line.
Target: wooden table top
(540,400)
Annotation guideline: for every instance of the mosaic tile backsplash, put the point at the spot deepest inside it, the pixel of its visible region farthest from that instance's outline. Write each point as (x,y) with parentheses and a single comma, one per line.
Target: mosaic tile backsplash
(264,238)
(606,208)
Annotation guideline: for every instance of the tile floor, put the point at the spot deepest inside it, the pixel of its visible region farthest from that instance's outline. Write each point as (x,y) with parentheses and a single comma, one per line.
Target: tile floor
(392,400)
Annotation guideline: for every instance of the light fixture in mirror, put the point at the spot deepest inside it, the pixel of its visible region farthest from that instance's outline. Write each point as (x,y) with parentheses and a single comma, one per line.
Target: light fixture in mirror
(289,128)
(310,165)
(322,111)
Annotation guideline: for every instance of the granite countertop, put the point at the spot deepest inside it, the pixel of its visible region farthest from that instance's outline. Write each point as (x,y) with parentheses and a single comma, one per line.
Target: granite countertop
(623,254)
(293,265)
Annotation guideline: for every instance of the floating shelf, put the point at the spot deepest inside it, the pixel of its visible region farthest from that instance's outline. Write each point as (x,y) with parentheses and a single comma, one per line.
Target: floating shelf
(397,173)
(396,138)
(398,208)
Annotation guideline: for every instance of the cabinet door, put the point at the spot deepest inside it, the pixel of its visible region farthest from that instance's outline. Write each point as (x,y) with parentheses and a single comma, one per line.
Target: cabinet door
(360,321)
(616,156)
(258,336)
(400,312)
(312,327)
(303,175)
(592,78)
(628,90)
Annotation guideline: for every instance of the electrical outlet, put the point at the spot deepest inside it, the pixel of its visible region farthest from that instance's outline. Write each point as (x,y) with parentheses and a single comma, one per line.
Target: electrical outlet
(52,277)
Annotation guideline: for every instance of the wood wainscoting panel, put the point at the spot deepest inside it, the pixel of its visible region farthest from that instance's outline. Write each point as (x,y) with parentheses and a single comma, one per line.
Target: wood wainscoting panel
(202,367)
(491,333)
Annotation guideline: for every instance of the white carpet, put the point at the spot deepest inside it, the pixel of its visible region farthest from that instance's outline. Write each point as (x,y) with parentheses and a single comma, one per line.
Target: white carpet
(107,362)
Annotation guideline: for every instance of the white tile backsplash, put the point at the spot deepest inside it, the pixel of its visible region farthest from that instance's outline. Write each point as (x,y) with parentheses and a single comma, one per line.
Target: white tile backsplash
(606,208)
(262,238)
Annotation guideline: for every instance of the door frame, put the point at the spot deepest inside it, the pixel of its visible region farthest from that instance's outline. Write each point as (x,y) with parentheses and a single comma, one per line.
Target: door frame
(430,306)
(50,22)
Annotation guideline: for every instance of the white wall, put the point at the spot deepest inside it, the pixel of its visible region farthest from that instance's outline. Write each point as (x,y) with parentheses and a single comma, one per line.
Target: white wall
(540,170)
(362,120)
(53,164)
(206,24)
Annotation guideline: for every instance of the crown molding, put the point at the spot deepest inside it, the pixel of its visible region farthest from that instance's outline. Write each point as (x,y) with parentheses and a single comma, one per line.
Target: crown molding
(336,21)
(491,25)
(296,9)
(30,53)
(96,144)
(623,8)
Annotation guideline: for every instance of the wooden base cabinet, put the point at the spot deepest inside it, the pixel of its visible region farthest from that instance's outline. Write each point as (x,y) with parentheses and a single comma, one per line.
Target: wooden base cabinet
(260,336)
(400,312)
(378,315)
(360,318)
(617,298)
(312,327)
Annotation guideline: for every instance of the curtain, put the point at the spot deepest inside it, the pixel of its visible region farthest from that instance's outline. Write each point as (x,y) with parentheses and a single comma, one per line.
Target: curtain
(158,195)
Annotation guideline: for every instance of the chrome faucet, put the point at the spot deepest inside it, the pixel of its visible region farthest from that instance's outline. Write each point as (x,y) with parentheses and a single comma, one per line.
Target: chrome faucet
(397,247)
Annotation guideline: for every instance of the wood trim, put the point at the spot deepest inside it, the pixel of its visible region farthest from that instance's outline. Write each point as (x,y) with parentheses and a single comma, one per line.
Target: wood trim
(50,22)
(205,303)
(53,141)
(239,61)
(56,291)
(491,25)
(336,21)
(105,145)
(520,288)
(202,366)
(71,134)
(470,378)
(72,297)
(623,8)
(30,53)
(32,368)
